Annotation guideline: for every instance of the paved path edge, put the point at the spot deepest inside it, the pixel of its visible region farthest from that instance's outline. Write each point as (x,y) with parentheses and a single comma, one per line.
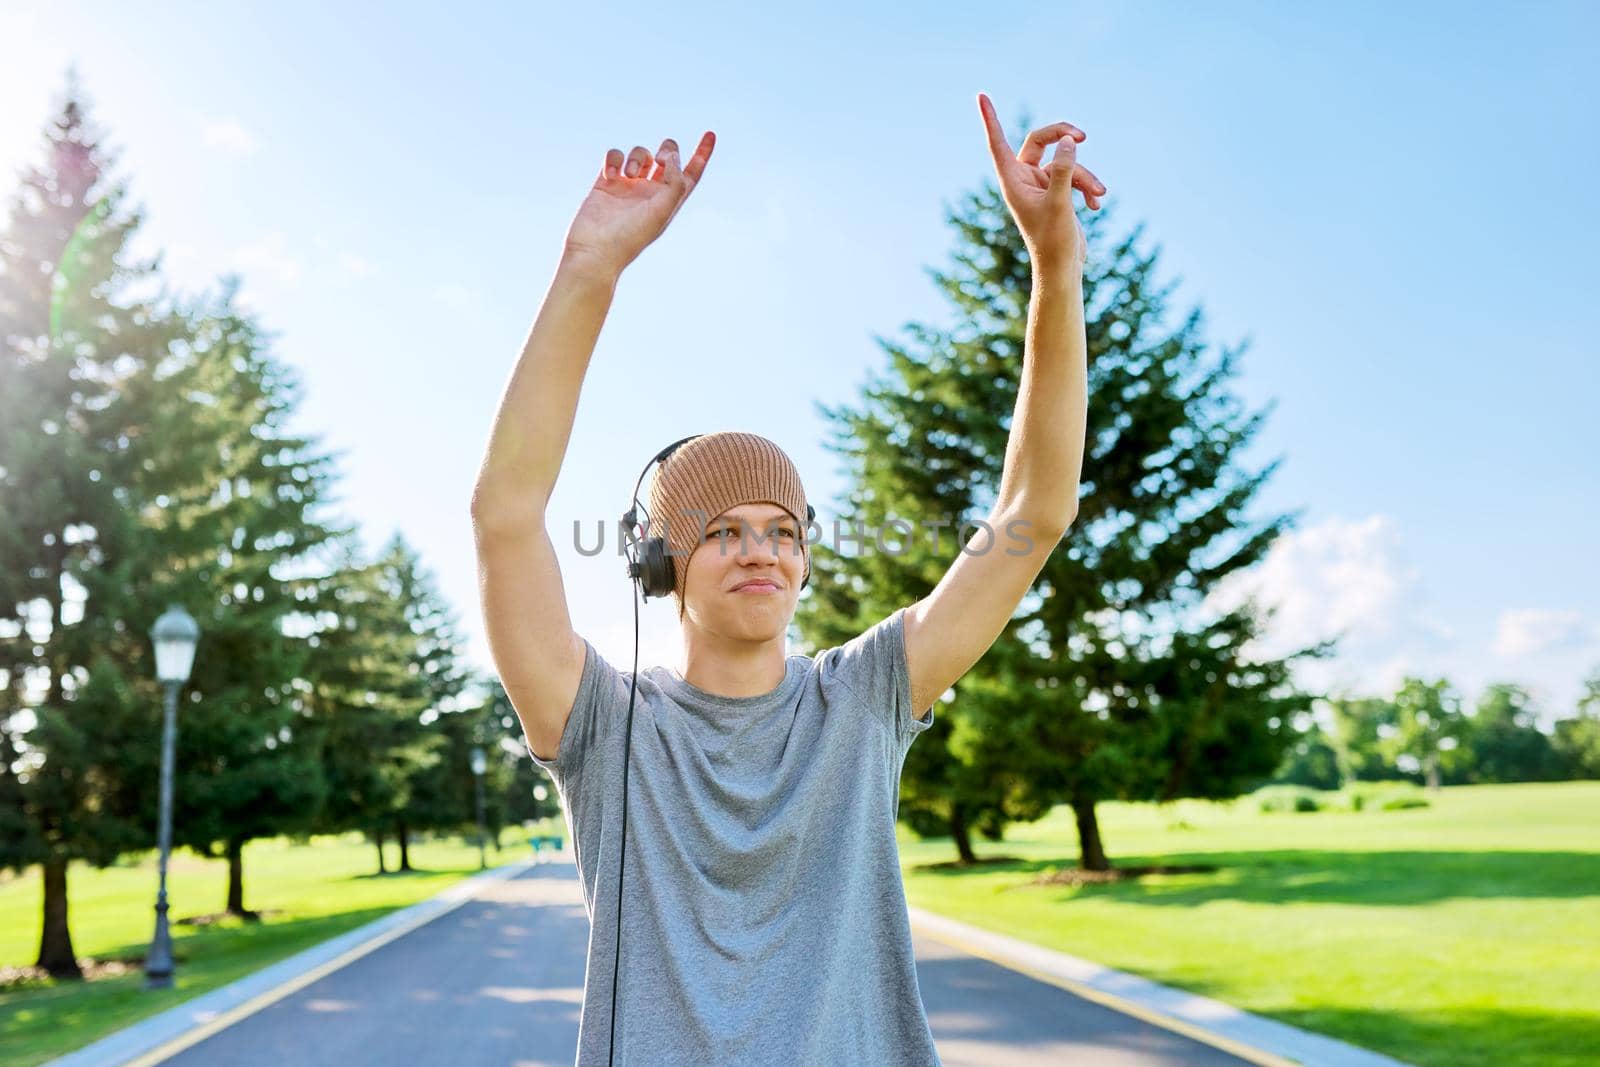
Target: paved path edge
(166,1033)
(1250,1037)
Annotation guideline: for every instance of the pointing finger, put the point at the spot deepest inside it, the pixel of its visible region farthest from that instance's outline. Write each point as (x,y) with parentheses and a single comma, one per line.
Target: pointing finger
(697,162)
(998,147)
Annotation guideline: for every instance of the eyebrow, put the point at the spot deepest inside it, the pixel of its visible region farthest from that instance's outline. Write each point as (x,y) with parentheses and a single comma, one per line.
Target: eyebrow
(735,521)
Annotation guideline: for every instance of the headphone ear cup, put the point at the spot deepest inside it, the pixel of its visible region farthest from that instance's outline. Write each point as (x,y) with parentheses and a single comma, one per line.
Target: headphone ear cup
(811,516)
(659,576)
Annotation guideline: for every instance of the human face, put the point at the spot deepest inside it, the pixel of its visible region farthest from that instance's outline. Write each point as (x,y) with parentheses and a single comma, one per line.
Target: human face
(758,546)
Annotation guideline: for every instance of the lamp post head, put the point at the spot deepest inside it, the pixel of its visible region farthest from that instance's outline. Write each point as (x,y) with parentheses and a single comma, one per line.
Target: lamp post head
(175,634)
(479,764)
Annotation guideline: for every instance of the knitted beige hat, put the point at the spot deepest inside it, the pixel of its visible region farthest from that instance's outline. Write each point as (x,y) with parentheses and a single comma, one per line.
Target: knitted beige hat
(708,475)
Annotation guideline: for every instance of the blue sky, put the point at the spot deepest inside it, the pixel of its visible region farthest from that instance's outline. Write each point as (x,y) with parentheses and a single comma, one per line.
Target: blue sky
(1393,203)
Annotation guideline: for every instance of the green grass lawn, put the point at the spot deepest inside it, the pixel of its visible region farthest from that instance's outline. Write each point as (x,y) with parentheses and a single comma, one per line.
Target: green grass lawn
(309,893)
(1462,934)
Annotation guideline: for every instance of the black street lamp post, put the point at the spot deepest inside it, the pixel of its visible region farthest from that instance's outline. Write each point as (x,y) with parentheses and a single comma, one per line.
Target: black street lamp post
(174,634)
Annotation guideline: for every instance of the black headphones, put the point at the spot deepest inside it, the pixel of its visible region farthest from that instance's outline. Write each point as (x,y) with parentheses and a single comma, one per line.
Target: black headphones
(653,569)
(649,564)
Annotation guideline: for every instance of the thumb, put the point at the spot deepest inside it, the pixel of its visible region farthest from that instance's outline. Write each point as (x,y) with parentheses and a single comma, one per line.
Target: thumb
(1062,165)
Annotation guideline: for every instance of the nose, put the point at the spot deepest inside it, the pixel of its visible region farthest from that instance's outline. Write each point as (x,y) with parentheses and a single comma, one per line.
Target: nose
(758,555)
(763,551)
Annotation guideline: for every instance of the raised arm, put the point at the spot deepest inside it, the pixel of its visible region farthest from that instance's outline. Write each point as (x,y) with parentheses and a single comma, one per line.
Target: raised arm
(951,628)
(536,652)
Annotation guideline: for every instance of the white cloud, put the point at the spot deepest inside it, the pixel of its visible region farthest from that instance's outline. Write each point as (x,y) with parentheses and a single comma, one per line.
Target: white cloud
(1345,578)
(230,135)
(1531,631)
(1353,575)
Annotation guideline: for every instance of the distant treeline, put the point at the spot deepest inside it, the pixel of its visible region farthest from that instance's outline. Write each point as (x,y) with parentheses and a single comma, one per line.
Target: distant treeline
(1423,735)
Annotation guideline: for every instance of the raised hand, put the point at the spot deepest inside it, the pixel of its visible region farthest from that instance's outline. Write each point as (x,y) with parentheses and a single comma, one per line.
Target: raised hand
(630,205)
(1040,198)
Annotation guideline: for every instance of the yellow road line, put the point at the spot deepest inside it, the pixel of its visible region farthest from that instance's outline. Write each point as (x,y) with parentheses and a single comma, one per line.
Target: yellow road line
(1110,1000)
(264,1000)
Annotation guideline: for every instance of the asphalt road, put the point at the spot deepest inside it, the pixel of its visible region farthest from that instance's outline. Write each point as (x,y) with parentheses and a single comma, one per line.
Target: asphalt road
(499,980)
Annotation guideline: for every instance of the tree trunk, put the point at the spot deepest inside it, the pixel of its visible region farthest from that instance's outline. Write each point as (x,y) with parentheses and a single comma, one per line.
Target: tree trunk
(960,834)
(236,882)
(1091,853)
(55,943)
(1431,767)
(405,850)
(377,837)
(55,940)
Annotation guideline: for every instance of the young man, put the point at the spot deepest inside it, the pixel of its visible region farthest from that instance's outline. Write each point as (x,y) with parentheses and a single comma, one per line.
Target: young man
(762,913)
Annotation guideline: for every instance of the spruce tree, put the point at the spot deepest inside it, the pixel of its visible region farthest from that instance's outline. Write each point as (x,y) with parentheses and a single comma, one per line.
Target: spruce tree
(443,794)
(228,505)
(1110,681)
(368,693)
(435,677)
(71,330)
(518,796)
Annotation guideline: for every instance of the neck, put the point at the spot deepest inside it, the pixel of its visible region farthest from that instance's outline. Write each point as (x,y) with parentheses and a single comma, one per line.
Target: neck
(730,667)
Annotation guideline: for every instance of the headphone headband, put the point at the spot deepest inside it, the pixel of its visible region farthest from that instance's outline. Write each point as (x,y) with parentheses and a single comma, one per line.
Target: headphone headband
(653,568)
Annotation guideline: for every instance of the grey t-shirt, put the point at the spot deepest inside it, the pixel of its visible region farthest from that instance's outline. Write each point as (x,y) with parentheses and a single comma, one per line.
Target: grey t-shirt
(763,918)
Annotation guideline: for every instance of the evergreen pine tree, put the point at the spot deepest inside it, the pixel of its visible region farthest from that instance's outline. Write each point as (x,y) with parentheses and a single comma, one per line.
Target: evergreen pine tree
(436,677)
(443,796)
(368,694)
(227,502)
(518,797)
(1110,681)
(71,330)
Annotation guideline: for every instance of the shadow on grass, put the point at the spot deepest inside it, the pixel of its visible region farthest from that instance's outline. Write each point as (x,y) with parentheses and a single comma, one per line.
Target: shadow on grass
(1322,876)
(417,872)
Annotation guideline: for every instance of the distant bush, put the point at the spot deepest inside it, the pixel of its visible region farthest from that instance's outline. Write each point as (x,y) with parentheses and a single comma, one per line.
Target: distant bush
(1386,795)
(1275,798)
(1357,796)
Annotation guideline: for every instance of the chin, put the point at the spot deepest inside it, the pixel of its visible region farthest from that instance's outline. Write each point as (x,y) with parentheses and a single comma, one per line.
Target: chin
(745,618)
